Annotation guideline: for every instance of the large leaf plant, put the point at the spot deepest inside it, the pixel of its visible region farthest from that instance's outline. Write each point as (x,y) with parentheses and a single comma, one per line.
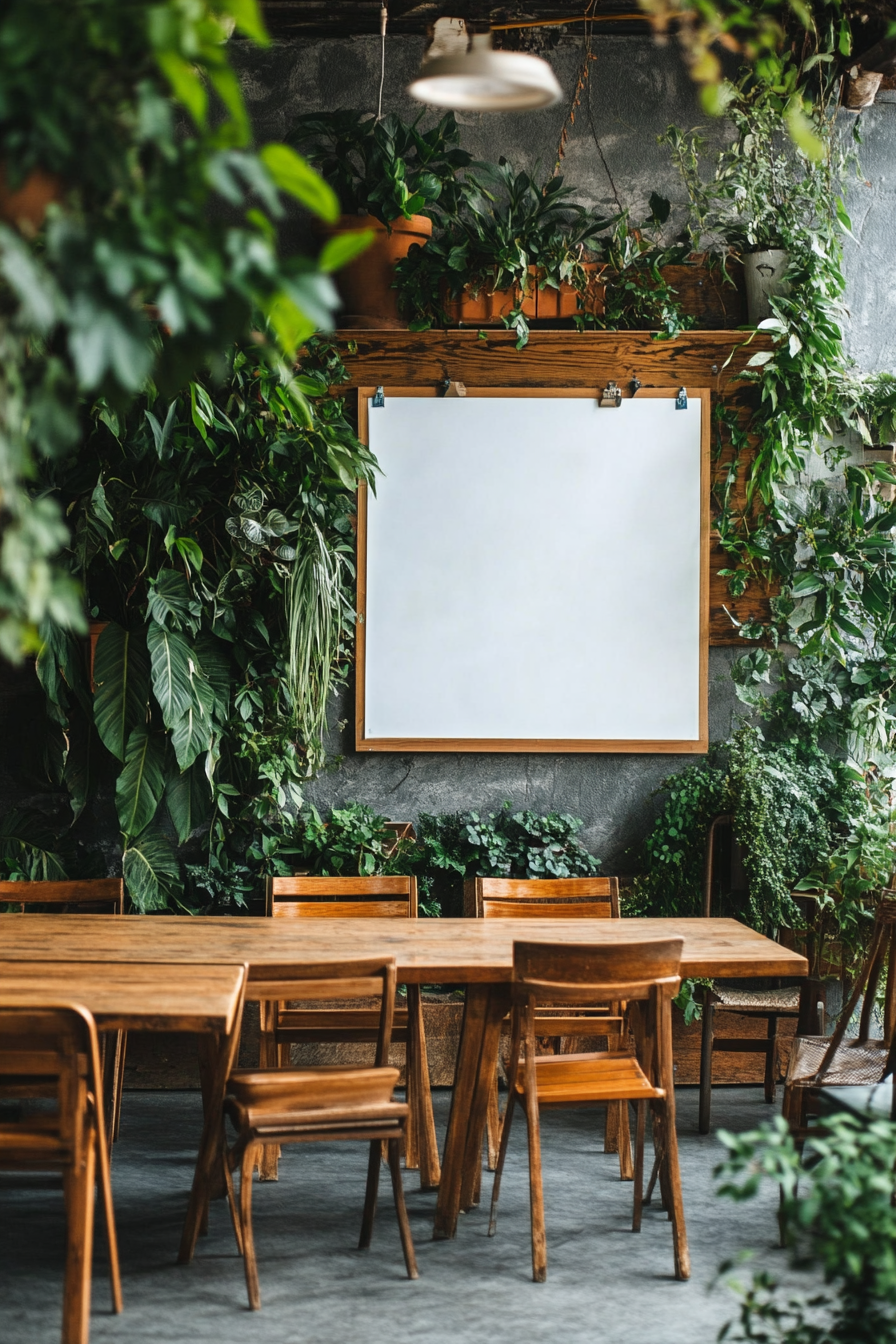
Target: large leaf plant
(213,534)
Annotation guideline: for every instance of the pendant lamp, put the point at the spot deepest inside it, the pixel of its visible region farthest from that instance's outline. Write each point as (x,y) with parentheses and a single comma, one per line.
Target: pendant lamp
(467,75)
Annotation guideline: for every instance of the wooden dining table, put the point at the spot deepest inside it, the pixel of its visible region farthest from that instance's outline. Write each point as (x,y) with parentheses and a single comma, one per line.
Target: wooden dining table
(138,994)
(475,953)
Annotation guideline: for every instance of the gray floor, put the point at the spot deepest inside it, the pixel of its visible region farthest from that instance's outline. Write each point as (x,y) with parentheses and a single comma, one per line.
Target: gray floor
(604,1283)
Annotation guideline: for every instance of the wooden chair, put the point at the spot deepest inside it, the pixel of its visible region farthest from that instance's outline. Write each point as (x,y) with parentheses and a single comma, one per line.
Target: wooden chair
(93,896)
(820,1061)
(637,972)
(282,1026)
(318,1105)
(557,898)
(767,1005)
(52,1052)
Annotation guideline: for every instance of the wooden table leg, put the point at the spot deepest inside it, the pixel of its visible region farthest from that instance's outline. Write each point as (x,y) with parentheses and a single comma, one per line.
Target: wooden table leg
(427,1146)
(477,1058)
(218,1052)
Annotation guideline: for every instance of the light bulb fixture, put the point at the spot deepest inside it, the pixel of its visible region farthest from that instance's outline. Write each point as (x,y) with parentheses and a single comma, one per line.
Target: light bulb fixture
(467,75)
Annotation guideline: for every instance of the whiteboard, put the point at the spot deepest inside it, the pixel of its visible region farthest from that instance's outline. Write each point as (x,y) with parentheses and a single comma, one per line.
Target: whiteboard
(532,573)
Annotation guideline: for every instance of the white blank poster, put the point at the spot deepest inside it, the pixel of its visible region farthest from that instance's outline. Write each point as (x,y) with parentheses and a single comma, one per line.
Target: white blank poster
(533,575)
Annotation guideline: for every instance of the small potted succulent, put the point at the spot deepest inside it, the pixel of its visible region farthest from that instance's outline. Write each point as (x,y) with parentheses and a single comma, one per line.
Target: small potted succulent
(514,252)
(391,178)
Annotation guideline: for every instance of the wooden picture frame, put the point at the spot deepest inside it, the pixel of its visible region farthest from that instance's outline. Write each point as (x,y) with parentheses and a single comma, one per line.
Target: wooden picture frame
(697,745)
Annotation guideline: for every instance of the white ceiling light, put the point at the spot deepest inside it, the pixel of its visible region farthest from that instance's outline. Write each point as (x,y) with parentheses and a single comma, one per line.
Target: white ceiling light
(469,76)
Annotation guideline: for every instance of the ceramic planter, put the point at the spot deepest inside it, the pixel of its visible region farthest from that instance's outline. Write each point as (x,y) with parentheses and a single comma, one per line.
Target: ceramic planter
(365,284)
(764,272)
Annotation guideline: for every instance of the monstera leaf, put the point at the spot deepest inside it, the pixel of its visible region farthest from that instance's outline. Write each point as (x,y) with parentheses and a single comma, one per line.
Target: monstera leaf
(121,678)
(150,871)
(139,787)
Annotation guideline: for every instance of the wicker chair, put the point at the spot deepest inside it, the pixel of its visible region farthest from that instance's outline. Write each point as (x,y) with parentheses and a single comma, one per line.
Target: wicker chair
(820,1061)
(765,1004)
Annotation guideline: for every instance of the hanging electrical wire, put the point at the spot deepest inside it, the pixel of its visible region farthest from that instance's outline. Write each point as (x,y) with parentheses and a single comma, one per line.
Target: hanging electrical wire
(384,22)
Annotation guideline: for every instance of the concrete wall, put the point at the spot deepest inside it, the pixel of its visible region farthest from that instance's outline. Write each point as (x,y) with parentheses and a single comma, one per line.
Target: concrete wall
(635,90)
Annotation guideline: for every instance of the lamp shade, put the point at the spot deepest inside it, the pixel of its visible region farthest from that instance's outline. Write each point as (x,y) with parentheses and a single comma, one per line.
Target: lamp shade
(483,80)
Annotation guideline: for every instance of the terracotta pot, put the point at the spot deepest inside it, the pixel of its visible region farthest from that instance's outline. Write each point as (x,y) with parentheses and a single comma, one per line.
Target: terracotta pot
(487,307)
(366,283)
(26,206)
(554,305)
(860,88)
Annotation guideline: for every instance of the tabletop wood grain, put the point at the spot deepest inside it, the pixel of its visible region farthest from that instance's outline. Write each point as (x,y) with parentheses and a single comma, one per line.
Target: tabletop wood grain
(130,995)
(432,951)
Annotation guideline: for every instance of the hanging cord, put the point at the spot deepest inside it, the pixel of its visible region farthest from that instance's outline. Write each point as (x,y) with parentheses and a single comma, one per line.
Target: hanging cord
(581,81)
(384,20)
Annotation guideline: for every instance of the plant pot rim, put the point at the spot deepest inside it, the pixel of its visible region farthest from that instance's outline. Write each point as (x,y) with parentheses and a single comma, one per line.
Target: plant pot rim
(416,224)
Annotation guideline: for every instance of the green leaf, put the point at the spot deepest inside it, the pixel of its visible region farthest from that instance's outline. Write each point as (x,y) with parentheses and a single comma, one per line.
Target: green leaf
(192,732)
(139,787)
(186,84)
(172,672)
(248,19)
(150,872)
(295,175)
(169,599)
(121,678)
(188,799)
(343,248)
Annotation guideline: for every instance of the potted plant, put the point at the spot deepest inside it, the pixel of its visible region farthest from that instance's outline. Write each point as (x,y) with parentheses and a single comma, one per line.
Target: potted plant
(392,179)
(515,251)
(641,275)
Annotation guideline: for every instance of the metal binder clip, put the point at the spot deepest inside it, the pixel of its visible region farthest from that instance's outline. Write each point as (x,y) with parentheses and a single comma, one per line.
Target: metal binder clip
(681,401)
(635,384)
(378,398)
(611,395)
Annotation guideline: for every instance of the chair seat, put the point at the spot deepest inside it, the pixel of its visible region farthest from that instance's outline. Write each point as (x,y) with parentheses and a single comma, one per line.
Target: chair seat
(852,1063)
(602,1076)
(759,1000)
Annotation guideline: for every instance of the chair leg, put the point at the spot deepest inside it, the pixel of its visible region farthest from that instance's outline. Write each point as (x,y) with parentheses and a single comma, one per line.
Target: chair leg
(404,1227)
(536,1186)
(231,1195)
(658,1155)
(611,1128)
(499,1165)
(79,1190)
(247,1166)
(673,1178)
(493,1124)
(421,1100)
(624,1141)
(706,1066)
(105,1183)
(373,1185)
(271,1056)
(640,1126)
(771,1058)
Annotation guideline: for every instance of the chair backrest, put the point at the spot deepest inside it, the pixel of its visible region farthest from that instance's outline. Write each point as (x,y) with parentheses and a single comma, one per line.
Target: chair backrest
(362,978)
(95,896)
(329,897)
(547,898)
(554,972)
(50,1050)
(881,952)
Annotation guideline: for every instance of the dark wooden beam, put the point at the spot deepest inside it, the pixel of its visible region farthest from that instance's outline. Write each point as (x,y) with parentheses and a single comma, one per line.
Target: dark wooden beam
(350,18)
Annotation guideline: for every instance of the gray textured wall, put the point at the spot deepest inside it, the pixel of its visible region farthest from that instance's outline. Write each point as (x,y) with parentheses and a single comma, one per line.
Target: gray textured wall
(634,91)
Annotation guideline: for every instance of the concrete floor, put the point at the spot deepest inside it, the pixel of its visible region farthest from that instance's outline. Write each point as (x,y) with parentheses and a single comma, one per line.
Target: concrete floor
(604,1284)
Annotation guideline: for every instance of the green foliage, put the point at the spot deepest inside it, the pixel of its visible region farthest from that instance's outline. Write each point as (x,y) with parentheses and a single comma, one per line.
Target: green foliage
(165,211)
(638,296)
(839,1219)
(507,226)
(353,842)
(28,849)
(388,169)
(203,694)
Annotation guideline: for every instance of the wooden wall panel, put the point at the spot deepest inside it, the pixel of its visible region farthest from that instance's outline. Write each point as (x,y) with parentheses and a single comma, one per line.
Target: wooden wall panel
(559,359)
